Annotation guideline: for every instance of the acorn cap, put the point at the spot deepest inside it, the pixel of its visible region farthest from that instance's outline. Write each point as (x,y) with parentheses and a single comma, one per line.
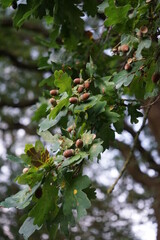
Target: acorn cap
(144,29)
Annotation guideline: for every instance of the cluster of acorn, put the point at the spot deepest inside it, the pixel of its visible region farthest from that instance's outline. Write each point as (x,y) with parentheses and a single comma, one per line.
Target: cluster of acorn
(123,48)
(71,152)
(53,92)
(142,32)
(82,87)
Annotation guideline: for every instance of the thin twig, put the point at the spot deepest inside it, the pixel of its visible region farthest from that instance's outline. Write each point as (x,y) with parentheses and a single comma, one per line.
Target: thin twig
(110,190)
(150,104)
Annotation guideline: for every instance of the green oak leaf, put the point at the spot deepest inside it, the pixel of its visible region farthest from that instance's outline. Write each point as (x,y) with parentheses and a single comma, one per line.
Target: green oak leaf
(75,198)
(31,177)
(53,139)
(146,43)
(14,159)
(115,14)
(47,202)
(40,112)
(91,68)
(64,101)
(96,149)
(123,78)
(87,138)
(63,82)
(6,3)
(28,228)
(21,199)
(48,123)
(134,113)
(87,105)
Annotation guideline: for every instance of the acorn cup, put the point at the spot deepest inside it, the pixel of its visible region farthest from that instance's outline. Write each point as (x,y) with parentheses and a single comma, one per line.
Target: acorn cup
(25,170)
(68,153)
(143,29)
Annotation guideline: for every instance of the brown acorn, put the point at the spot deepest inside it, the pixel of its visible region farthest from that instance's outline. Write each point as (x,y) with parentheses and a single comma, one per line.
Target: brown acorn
(69,129)
(155,77)
(38,193)
(54,92)
(79,143)
(73,100)
(144,29)
(127,67)
(84,96)
(25,170)
(139,34)
(80,88)
(53,102)
(77,80)
(87,84)
(124,48)
(68,153)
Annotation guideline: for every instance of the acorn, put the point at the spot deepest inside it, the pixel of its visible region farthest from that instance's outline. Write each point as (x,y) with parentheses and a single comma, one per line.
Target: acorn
(69,129)
(54,92)
(144,29)
(68,153)
(38,193)
(80,88)
(155,77)
(79,143)
(25,170)
(127,67)
(77,80)
(53,102)
(84,96)
(87,84)
(124,48)
(73,100)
